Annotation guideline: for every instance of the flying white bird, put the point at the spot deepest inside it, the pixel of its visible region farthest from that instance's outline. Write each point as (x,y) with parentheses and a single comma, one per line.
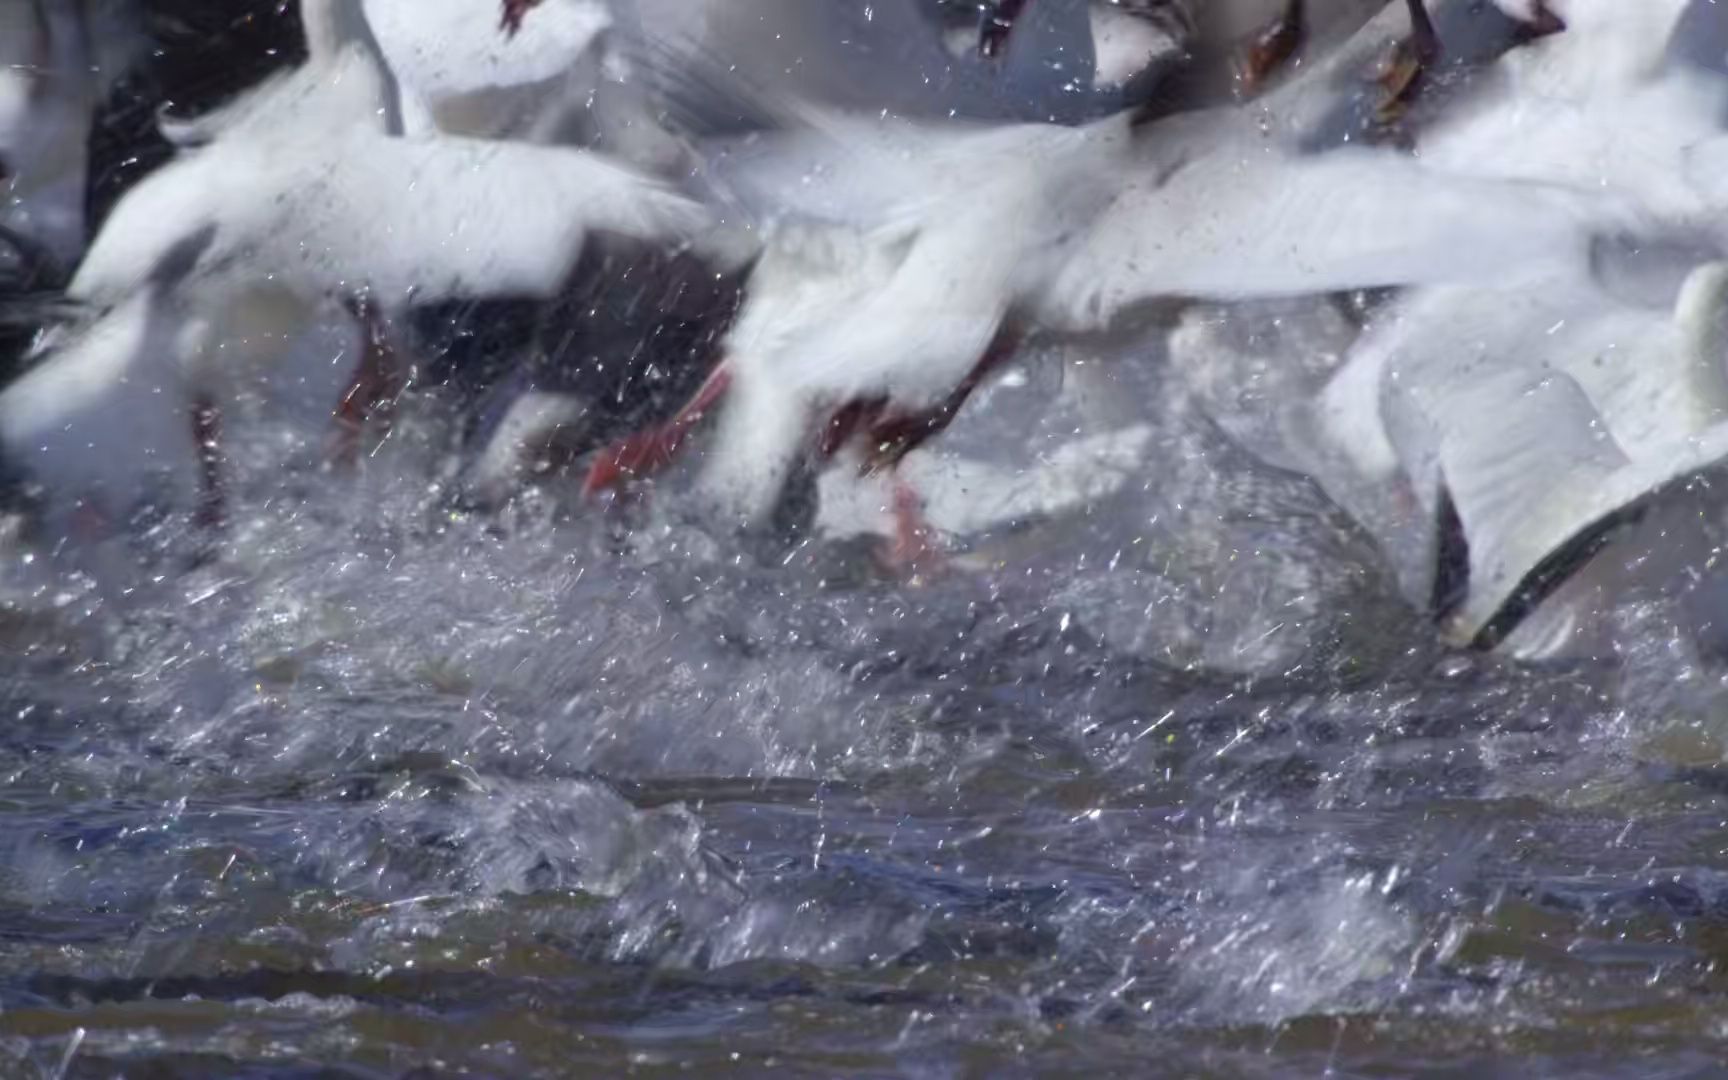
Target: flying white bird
(927,249)
(1517,427)
(1492,436)
(57,60)
(227,253)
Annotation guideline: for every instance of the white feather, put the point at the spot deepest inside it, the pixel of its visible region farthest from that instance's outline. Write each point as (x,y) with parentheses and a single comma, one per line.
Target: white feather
(1541,412)
(402,218)
(57,60)
(243,245)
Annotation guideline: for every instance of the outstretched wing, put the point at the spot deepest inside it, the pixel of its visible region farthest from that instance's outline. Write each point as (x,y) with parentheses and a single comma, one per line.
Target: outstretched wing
(409,219)
(1260,222)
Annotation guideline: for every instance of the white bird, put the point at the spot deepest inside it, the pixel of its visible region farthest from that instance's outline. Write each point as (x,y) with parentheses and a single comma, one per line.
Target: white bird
(1535,418)
(57,59)
(1506,428)
(1603,106)
(890,56)
(448,68)
(933,242)
(230,251)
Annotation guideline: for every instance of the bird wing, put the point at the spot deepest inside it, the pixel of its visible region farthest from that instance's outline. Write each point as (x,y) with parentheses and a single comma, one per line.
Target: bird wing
(879,56)
(164,211)
(837,168)
(424,219)
(1542,414)
(1258,222)
(1525,494)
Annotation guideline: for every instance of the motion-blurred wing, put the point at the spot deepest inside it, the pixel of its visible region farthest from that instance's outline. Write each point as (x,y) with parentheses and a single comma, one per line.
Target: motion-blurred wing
(453,217)
(1264,223)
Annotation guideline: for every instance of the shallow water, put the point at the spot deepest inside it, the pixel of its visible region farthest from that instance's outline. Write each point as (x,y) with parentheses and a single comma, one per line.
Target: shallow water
(1174,786)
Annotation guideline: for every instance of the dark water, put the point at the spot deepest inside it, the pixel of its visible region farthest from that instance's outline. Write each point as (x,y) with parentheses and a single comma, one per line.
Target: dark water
(1175,786)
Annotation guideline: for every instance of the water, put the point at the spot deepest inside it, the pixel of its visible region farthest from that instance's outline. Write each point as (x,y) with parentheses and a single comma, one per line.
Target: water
(396,789)
(1169,783)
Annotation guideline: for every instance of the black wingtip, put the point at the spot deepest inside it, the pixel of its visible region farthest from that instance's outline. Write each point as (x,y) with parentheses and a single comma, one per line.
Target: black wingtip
(1546,577)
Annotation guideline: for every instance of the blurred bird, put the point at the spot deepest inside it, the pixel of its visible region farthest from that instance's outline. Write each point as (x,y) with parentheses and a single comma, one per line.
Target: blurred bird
(57,59)
(213,264)
(926,250)
(1494,437)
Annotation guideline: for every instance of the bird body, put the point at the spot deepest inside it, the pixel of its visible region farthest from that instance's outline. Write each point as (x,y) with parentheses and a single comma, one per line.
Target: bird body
(1636,143)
